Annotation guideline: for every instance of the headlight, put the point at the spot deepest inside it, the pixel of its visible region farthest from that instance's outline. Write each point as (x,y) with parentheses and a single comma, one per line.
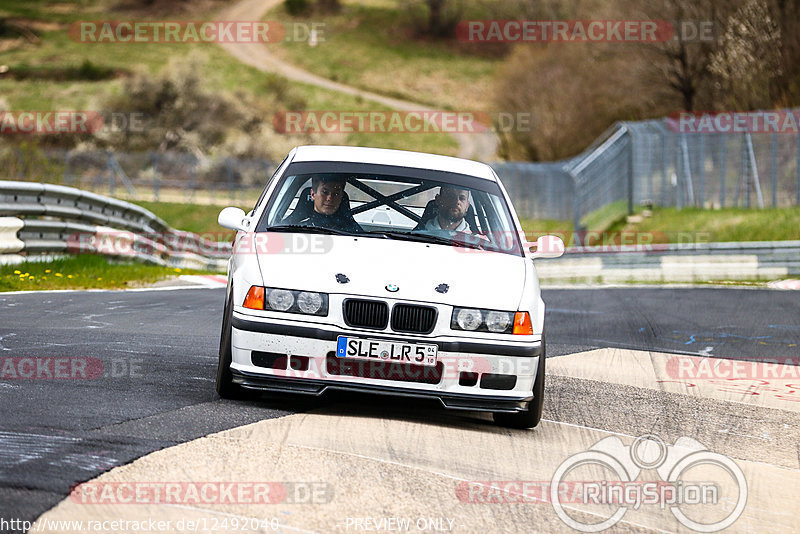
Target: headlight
(476,320)
(498,322)
(468,319)
(287,300)
(280,299)
(309,303)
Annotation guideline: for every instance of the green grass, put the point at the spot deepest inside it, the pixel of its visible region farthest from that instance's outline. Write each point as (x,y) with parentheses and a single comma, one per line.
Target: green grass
(370,45)
(535,228)
(221,72)
(602,219)
(670,225)
(82,272)
(197,218)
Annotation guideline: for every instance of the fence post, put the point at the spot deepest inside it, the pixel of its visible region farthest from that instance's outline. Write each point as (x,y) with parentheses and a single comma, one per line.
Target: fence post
(192,173)
(630,168)
(773,167)
(754,168)
(650,196)
(156,182)
(744,177)
(663,169)
(701,172)
(797,170)
(723,169)
(576,211)
(687,166)
(110,169)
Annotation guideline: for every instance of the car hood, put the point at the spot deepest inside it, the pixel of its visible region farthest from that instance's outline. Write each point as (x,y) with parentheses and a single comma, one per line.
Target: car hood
(472,277)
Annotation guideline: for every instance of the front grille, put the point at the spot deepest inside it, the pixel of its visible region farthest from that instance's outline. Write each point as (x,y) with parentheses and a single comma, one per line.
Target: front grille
(415,319)
(366,313)
(380,370)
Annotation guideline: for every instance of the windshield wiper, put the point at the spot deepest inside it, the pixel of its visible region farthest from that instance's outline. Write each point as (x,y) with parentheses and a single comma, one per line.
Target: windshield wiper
(299,228)
(427,238)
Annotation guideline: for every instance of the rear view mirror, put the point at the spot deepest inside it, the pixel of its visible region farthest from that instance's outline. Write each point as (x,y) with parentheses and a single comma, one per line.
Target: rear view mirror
(233,219)
(548,246)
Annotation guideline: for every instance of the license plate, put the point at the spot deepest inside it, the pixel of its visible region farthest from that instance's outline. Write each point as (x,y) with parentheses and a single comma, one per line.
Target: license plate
(388,351)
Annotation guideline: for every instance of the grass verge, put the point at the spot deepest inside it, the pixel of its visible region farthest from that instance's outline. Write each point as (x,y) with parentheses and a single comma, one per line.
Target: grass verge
(85,271)
(197,218)
(369,34)
(691,225)
(671,225)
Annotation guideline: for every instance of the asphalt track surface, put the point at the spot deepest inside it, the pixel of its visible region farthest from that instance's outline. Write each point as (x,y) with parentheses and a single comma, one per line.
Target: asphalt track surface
(158,358)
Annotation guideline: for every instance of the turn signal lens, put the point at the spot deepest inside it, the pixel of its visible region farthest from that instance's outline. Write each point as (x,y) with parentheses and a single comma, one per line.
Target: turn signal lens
(522,324)
(255,298)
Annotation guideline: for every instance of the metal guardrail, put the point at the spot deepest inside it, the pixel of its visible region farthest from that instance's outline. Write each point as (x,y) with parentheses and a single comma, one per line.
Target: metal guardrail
(45,218)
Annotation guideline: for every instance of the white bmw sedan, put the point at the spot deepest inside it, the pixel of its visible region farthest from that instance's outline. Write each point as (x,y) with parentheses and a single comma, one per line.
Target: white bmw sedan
(389,272)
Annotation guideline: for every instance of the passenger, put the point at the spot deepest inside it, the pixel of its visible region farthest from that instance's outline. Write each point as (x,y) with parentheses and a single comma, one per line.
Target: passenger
(452,204)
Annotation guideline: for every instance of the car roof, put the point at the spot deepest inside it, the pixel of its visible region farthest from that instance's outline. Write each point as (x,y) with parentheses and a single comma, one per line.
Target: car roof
(398,158)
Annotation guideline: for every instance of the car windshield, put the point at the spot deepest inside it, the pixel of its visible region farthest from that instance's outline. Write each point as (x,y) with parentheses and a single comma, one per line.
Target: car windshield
(391,203)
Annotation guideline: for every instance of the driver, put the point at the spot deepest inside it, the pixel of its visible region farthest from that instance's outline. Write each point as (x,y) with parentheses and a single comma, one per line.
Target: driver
(327,193)
(452,204)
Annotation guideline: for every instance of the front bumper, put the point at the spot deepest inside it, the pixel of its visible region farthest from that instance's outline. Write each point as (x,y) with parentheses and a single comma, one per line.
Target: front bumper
(288,356)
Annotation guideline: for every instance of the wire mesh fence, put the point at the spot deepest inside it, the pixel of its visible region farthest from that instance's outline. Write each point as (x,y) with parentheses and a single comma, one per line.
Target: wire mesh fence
(633,163)
(165,176)
(655,163)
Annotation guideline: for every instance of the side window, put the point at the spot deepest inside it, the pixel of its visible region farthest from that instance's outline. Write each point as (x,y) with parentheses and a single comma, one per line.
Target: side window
(266,187)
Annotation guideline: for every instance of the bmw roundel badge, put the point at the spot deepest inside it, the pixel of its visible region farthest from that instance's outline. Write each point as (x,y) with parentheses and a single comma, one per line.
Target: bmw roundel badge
(392,288)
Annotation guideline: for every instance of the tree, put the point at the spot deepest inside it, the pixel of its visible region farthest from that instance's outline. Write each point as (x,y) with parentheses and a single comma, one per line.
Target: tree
(434,18)
(748,59)
(681,63)
(787,83)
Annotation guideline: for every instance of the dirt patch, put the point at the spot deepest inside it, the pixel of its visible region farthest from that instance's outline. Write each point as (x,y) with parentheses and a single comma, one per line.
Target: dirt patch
(38,25)
(6,45)
(161,8)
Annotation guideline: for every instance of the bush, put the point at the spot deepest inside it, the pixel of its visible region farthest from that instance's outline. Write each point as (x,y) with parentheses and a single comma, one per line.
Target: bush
(297,7)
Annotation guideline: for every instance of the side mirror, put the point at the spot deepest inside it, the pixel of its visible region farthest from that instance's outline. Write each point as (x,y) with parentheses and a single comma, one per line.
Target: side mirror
(233,219)
(548,246)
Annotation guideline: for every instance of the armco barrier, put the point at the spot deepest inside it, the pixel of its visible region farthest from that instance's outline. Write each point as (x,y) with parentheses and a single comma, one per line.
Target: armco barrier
(700,262)
(44,218)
